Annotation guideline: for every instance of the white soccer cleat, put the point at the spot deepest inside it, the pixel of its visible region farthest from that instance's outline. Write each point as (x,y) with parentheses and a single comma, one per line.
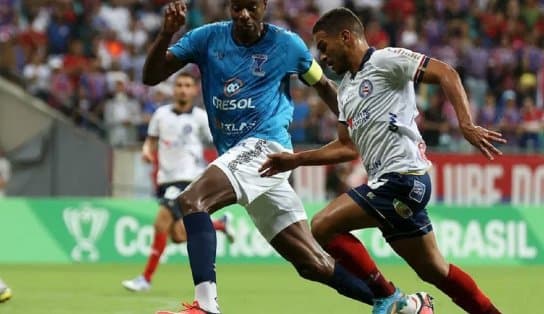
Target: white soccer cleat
(5,292)
(138,284)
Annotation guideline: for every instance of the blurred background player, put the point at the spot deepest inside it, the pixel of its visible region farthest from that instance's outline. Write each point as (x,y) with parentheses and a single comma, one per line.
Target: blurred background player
(377,111)
(5,292)
(176,136)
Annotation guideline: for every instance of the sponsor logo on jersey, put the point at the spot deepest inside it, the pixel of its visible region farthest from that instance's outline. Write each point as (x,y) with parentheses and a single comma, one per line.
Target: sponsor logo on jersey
(366,88)
(361,118)
(233,87)
(257,66)
(393,122)
(234,128)
(233,104)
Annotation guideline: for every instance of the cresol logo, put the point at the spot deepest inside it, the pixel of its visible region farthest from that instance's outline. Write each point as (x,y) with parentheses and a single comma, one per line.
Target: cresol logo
(83,218)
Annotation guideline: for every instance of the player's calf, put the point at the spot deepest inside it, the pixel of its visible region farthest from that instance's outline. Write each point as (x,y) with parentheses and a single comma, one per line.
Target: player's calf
(464,291)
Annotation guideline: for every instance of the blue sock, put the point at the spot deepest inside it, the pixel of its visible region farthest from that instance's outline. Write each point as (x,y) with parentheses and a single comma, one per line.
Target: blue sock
(201,246)
(350,286)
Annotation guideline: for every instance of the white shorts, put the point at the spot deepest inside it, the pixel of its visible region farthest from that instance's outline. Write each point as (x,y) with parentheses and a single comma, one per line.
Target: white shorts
(271,202)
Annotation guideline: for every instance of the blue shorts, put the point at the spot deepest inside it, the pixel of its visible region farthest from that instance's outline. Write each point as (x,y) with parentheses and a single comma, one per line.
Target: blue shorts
(398,202)
(164,194)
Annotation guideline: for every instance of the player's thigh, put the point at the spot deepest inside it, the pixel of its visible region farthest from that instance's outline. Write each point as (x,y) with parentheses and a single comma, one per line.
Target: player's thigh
(163,220)
(341,215)
(423,255)
(276,209)
(209,193)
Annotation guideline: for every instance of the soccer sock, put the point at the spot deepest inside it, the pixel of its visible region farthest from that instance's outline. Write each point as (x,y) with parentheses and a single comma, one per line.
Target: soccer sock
(350,253)
(350,286)
(201,246)
(159,243)
(219,225)
(462,289)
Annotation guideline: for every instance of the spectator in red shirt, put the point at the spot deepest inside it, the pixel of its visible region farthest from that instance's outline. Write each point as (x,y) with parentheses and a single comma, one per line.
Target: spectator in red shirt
(531,125)
(75,62)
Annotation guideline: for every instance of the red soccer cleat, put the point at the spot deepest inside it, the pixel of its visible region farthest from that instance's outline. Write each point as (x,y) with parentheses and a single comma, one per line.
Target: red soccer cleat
(222,225)
(189,309)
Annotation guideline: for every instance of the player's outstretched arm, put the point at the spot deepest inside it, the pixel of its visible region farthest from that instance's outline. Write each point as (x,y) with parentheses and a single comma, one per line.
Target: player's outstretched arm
(160,63)
(337,151)
(438,72)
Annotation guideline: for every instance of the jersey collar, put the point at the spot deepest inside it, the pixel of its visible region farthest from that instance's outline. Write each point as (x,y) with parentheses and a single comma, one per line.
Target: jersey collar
(366,57)
(263,35)
(182,112)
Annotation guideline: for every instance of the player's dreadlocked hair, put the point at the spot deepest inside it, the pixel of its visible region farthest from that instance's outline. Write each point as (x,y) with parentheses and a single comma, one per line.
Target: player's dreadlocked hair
(336,20)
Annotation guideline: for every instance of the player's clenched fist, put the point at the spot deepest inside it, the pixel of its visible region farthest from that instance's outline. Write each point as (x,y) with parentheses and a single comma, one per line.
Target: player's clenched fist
(174,17)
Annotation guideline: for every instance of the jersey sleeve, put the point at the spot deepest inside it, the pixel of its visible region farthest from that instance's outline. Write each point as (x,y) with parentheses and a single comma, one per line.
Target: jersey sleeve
(153,128)
(401,64)
(192,45)
(300,61)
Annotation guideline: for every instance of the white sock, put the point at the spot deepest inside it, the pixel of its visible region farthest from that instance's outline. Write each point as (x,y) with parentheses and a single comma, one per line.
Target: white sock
(206,295)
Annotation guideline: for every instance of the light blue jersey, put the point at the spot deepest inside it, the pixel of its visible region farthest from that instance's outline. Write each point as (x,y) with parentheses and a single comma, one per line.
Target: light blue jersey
(245,88)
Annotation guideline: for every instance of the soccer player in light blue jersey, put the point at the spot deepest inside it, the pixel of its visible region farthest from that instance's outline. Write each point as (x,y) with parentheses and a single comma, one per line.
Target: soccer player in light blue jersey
(246,66)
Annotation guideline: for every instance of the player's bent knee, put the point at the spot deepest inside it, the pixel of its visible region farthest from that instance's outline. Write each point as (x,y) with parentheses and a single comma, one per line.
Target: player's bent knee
(190,204)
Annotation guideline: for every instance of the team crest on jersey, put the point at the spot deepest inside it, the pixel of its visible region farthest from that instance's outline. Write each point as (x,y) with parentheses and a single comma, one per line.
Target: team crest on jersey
(258,63)
(365,89)
(188,129)
(232,87)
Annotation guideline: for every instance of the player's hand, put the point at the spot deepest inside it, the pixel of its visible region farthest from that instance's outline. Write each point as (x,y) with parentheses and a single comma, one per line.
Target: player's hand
(174,17)
(277,163)
(148,156)
(483,139)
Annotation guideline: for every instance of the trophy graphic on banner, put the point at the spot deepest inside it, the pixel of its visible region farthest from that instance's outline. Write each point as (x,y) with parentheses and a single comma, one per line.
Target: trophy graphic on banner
(86,224)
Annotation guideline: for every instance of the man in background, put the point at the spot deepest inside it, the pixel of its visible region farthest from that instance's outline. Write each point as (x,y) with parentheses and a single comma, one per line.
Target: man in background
(175,139)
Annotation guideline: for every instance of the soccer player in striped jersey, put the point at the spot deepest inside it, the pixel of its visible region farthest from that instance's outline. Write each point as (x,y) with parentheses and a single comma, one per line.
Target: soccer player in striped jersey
(377,111)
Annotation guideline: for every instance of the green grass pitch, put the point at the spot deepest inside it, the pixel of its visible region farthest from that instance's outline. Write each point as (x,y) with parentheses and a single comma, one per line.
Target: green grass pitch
(243,289)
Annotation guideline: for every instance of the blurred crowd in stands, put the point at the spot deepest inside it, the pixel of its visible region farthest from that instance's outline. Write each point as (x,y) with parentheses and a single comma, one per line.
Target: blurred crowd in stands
(85,58)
